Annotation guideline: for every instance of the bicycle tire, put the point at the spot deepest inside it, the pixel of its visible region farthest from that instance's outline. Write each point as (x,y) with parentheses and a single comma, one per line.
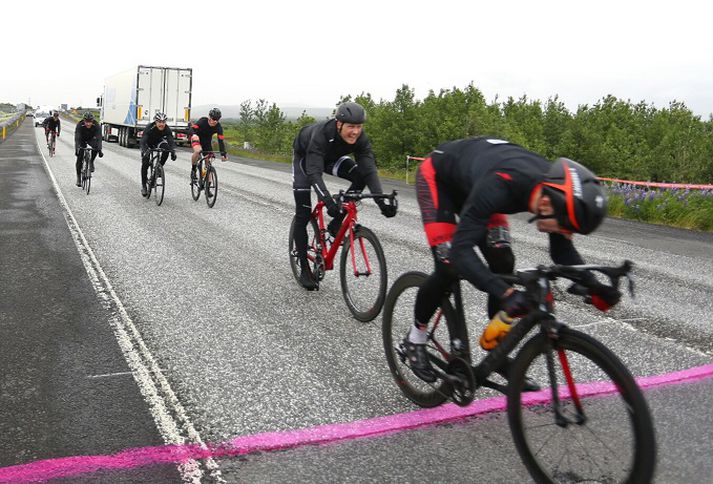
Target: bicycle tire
(87,174)
(312,242)
(211,186)
(366,301)
(149,180)
(159,183)
(53,142)
(610,384)
(396,323)
(195,189)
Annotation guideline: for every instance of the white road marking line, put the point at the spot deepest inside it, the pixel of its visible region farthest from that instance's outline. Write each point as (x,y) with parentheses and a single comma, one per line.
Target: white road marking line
(168,413)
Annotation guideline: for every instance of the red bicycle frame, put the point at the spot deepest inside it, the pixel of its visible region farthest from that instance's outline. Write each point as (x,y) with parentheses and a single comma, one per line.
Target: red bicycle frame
(348,224)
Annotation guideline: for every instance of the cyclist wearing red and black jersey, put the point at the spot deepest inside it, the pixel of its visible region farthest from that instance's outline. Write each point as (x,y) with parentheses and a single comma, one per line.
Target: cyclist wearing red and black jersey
(475,179)
(201,136)
(87,133)
(156,135)
(323,147)
(52,123)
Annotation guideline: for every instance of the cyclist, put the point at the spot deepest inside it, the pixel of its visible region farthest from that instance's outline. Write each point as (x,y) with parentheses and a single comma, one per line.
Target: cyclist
(51,123)
(474,179)
(322,147)
(87,133)
(201,133)
(155,135)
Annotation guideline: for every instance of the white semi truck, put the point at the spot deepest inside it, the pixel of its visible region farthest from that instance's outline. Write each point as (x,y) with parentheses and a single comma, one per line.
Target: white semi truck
(132,98)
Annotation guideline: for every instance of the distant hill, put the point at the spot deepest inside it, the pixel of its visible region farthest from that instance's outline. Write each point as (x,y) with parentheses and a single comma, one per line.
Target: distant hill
(292,111)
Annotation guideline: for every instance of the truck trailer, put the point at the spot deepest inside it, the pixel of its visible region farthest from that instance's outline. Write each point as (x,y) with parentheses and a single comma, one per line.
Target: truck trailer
(132,98)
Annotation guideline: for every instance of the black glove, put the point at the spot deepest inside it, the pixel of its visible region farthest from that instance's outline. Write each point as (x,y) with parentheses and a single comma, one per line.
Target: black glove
(387,211)
(515,304)
(144,153)
(604,296)
(332,208)
(101,154)
(173,156)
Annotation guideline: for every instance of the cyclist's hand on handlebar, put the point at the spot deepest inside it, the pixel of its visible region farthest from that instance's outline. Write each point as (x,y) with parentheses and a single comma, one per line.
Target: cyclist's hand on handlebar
(387,210)
(603,296)
(332,208)
(173,156)
(515,304)
(101,154)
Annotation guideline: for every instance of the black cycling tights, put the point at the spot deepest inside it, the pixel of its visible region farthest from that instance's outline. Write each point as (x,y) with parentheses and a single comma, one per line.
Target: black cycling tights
(439,283)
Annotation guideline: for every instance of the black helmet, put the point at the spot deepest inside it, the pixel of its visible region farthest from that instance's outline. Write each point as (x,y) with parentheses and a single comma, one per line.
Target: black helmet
(576,195)
(160,117)
(88,116)
(215,114)
(351,113)
(55,114)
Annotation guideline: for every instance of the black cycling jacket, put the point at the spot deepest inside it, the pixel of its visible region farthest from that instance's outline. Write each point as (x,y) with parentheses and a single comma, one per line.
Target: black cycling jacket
(320,144)
(91,136)
(152,136)
(488,176)
(205,132)
(52,124)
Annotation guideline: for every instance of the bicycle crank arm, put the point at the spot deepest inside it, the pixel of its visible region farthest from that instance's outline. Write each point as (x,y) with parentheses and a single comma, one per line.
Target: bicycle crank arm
(495,386)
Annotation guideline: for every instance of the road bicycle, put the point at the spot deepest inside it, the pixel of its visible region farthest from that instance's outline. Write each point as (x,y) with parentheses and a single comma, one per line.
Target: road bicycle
(156,175)
(592,424)
(362,267)
(86,170)
(206,179)
(52,143)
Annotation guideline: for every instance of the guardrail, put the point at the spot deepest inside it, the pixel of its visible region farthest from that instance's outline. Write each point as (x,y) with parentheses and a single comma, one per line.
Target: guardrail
(10,125)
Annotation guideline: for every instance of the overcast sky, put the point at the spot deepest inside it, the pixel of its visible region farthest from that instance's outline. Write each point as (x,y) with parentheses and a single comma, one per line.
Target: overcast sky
(311,52)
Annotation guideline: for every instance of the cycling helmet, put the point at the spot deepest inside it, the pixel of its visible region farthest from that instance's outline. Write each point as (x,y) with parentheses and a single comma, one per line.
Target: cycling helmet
(88,116)
(160,117)
(351,113)
(215,114)
(55,114)
(576,195)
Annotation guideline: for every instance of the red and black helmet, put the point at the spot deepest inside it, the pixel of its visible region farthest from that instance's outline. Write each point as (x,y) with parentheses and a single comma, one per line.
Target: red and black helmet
(577,197)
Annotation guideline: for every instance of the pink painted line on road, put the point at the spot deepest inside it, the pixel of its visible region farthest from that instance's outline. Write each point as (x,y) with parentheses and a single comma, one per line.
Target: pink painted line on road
(323,434)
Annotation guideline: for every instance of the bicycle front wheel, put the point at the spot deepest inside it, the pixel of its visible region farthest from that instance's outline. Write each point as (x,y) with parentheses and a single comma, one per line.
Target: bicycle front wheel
(159,183)
(211,186)
(604,431)
(363,274)
(195,184)
(86,176)
(396,325)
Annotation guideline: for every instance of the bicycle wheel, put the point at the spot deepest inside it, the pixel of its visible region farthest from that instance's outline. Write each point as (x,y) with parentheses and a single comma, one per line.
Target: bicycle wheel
(610,440)
(312,250)
(211,186)
(159,183)
(195,188)
(53,141)
(363,274)
(87,175)
(149,180)
(396,324)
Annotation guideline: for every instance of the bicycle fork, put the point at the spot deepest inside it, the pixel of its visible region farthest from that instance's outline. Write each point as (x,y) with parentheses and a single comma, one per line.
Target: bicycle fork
(560,419)
(363,254)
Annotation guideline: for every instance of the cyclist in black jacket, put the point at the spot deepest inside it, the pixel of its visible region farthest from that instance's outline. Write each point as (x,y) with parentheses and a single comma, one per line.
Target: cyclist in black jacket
(474,179)
(201,135)
(322,147)
(86,133)
(51,123)
(156,135)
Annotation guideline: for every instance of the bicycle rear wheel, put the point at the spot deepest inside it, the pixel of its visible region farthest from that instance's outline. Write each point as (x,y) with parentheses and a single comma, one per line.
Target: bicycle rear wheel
(610,438)
(195,188)
(211,186)
(362,271)
(312,250)
(396,324)
(159,183)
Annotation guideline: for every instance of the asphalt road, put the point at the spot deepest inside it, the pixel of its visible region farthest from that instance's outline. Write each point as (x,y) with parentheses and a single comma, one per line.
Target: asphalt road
(222,343)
